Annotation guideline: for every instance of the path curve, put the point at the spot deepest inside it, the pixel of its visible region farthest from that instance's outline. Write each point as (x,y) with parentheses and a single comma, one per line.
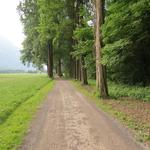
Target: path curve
(67,121)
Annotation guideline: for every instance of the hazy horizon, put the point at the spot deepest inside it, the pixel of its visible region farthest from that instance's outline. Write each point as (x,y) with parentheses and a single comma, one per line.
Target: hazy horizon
(10,56)
(10,26)
(11,36)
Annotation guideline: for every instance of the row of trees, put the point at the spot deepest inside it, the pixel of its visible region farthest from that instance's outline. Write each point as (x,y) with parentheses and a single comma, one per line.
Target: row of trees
(82,37)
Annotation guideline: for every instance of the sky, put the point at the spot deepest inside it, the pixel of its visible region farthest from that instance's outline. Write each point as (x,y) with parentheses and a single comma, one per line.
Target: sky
(10,25)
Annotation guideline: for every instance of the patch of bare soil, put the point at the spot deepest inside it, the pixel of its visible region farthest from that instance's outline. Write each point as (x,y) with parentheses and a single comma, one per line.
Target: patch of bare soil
(135,109)
(138,110)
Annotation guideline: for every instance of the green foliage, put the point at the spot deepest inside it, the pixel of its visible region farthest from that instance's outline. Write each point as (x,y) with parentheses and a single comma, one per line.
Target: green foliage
(135,92)
(126,33)
(114,52)
(63,23)
(84,45)
(33,50)
(44,21)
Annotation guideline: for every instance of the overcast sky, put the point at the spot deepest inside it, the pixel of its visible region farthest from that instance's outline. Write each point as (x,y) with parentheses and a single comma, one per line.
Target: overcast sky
(10,25)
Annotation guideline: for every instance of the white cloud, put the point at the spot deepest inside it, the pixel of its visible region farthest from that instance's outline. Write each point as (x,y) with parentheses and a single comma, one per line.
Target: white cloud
(10,25)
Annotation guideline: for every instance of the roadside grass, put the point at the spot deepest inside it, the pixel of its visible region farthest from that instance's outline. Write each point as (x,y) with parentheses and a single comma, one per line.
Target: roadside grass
(13,129)
(140,128)
(123,90)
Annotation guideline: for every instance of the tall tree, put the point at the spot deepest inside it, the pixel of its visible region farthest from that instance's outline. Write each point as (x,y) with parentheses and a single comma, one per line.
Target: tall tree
(81,61)
(70,6)
(101,80)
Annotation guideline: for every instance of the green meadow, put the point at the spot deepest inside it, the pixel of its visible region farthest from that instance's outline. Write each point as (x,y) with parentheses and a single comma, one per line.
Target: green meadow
(20,96)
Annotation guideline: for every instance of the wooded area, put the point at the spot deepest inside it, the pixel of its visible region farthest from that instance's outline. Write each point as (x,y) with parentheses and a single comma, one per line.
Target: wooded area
(89,39)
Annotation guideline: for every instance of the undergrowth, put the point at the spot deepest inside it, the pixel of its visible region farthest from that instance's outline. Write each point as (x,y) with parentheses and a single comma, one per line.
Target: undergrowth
(117,90)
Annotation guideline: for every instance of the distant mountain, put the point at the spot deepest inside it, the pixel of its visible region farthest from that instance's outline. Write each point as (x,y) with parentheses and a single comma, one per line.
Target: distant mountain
(10,56)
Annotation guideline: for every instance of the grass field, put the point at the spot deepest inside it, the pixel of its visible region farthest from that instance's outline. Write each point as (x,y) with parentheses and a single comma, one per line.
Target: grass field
(20,96)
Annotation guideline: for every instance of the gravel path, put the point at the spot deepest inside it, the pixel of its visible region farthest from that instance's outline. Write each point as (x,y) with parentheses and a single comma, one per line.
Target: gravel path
(67,121)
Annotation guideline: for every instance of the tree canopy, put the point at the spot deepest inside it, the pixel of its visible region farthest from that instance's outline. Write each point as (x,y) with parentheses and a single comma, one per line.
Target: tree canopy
(117,43)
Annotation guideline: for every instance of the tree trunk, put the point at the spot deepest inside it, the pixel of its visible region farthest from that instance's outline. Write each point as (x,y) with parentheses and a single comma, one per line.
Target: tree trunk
(80,78)
(77,69)
(59,72)
(73,66)
(83,71)
(71,14)
(56,69)
(101,81)
(50,60)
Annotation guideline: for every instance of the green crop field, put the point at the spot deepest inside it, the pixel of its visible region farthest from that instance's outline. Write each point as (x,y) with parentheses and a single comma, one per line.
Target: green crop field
(20,95)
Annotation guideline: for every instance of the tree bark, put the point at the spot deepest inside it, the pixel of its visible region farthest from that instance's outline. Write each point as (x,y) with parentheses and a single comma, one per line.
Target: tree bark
(71,14)
(80,78)
(59,72)
(101,81)
(77,69)
(83,71)
(50,60)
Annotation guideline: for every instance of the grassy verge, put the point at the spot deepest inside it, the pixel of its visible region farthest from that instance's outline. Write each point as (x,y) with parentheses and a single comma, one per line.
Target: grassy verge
(14,128)
(141,130)
(123,90)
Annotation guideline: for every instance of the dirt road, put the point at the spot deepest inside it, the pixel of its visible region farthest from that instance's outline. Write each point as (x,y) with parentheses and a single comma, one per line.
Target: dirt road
(67,121)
